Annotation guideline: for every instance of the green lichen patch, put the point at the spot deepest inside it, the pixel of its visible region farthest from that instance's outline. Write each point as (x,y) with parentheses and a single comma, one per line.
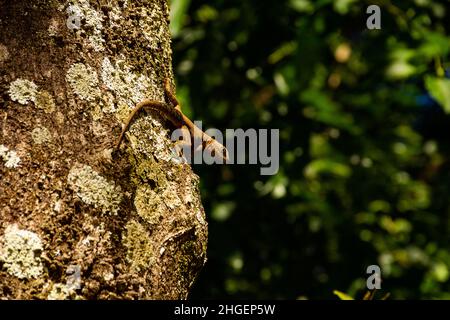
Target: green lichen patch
(45,101)
(41,135)
(94,189)
(139,246)
(21,253)
(23,91)
(149,204)
(83,80)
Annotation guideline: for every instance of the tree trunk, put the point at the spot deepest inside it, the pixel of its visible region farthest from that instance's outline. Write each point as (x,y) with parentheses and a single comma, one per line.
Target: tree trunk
(78,219)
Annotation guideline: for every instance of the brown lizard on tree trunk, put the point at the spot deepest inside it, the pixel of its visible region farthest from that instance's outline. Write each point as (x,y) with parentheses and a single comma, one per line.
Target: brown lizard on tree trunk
(173,113)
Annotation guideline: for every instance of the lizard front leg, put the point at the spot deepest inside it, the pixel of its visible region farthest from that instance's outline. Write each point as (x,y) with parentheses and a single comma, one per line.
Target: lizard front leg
(183,146)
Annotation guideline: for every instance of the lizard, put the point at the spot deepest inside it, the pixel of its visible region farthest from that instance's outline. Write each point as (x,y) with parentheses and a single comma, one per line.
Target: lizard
(172,112)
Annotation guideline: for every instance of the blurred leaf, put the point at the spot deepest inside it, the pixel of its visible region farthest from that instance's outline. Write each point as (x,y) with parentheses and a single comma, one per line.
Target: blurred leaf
(435,45)
(281,84)
(395,226)
(206,13)
(379,206)
(440,272)
(369,295)
(326,166)
(327,111)
(226,189)
(183,95)
(343,6)
(439,89)
(386,296)
(400,69)
(363,161)
(283,51)
(415,195)
(178,10)
(342,295)
(222,211)
(301,5)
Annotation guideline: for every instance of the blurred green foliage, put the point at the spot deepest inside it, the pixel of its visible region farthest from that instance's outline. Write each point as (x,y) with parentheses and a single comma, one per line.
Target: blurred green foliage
(364,142)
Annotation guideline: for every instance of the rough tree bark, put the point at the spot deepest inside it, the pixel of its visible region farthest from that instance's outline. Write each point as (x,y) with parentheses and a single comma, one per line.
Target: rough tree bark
(129,223)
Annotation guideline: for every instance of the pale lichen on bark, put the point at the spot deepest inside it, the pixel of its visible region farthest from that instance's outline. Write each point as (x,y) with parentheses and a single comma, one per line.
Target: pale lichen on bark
(21,253)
